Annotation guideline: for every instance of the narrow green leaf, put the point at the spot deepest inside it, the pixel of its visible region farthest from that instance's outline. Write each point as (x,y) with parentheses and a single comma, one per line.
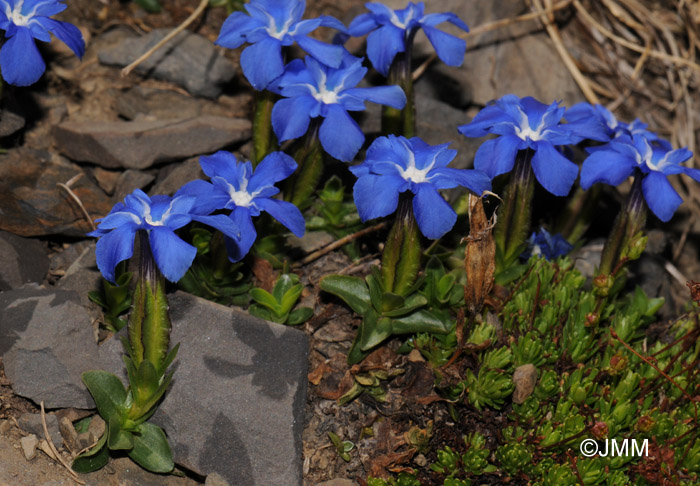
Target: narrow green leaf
(108,392)
(94,459)
(285,282)
(146,407)
(263,297)
(262,312)
(390,302)
(290,298)
(410,304)
(151,6)
(420,321)
(151,450)
(96,297)
(300,315)
(352,290)
(376,290)
(146,381)
(373,331)
(169,359)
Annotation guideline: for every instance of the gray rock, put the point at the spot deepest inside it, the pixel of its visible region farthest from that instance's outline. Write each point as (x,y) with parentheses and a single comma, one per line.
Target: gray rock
(140,144)
(189,60)
(10,122)
(524,379)
(160,104)
(174,176)
(22,260)
(235,407)
(31,422)
(29,444)
(83,277)
(46,342)
(128,181)
(69,434)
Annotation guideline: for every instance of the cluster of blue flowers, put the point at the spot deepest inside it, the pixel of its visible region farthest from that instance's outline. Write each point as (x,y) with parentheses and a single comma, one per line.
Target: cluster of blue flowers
(527,124)
(322,90)
(23,21)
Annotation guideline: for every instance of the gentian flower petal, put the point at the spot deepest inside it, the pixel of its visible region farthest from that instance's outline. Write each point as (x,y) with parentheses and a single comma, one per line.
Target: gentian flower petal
(114,247)
(20,61)
(382,46)
(329,54)
(438,18)
(661,197)
(448,178)
(273,168)
(261,74)
(497,156)
(606,166)
(67,33)
(286,213)
(172,255)
(209,199)
(237,249)
(555,172)
(384,95)
(340,135)
(376,196)
(290,117)
(434,216)
(450,49)
(361,25)
(222,223)
(234,30)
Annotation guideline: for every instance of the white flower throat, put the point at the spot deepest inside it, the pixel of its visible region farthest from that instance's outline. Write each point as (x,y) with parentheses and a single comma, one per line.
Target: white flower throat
(524,131)
(15,15)
(413,173)
(240,197)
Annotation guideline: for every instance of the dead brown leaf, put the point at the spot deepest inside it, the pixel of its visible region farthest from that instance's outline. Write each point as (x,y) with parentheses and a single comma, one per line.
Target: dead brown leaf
(479,256)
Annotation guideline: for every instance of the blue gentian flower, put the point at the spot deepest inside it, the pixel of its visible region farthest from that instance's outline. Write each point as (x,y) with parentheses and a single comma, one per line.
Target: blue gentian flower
(596,122)
(26,20)
(396,164)
(524,124)
(312,90)
(391,31)
(160,216)
(619,159)
(270,25)
(246,192)
(548,245)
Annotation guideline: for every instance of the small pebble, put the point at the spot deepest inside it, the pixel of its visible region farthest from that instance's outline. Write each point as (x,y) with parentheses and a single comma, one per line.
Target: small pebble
(29,444)
(524,379)
(5,426)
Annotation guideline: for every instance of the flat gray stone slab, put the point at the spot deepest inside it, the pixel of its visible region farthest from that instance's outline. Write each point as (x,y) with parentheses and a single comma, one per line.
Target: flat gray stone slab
(22,260)
(189,60)
(140,144)
(236,404)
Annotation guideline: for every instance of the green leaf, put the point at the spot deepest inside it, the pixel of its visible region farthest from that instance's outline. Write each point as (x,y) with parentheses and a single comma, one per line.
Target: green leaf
(108,392)
(94,459)
(373,331)
(169,359)
(299,316)
(421,321)
(144,409)
(151,450)
(265,298)
(146,382)
(352,290)
(410,304)
(285,282)
(390,302)
(290,298)
(151,6)
(118,438)
(258,310)
(376,290)
(96,297)
(155,327)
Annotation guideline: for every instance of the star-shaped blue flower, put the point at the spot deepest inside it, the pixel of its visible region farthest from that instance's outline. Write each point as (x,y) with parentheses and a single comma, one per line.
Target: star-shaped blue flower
(619,159)
(312,90)
(391,31)
(548,245)
(246,192)
(160,216)
(397,164)
(26,20)
(596,122)
(525,124)
(270,25)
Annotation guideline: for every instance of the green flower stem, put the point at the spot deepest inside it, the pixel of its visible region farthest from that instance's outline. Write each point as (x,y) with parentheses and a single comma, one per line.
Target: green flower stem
(514,219)
(262,125)
(628,223)
(219,255)
(303,183)
(149,323)
(401,122)
(402,252)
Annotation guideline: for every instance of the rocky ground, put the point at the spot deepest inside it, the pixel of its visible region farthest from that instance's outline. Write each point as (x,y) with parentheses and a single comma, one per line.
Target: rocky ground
(267,390)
